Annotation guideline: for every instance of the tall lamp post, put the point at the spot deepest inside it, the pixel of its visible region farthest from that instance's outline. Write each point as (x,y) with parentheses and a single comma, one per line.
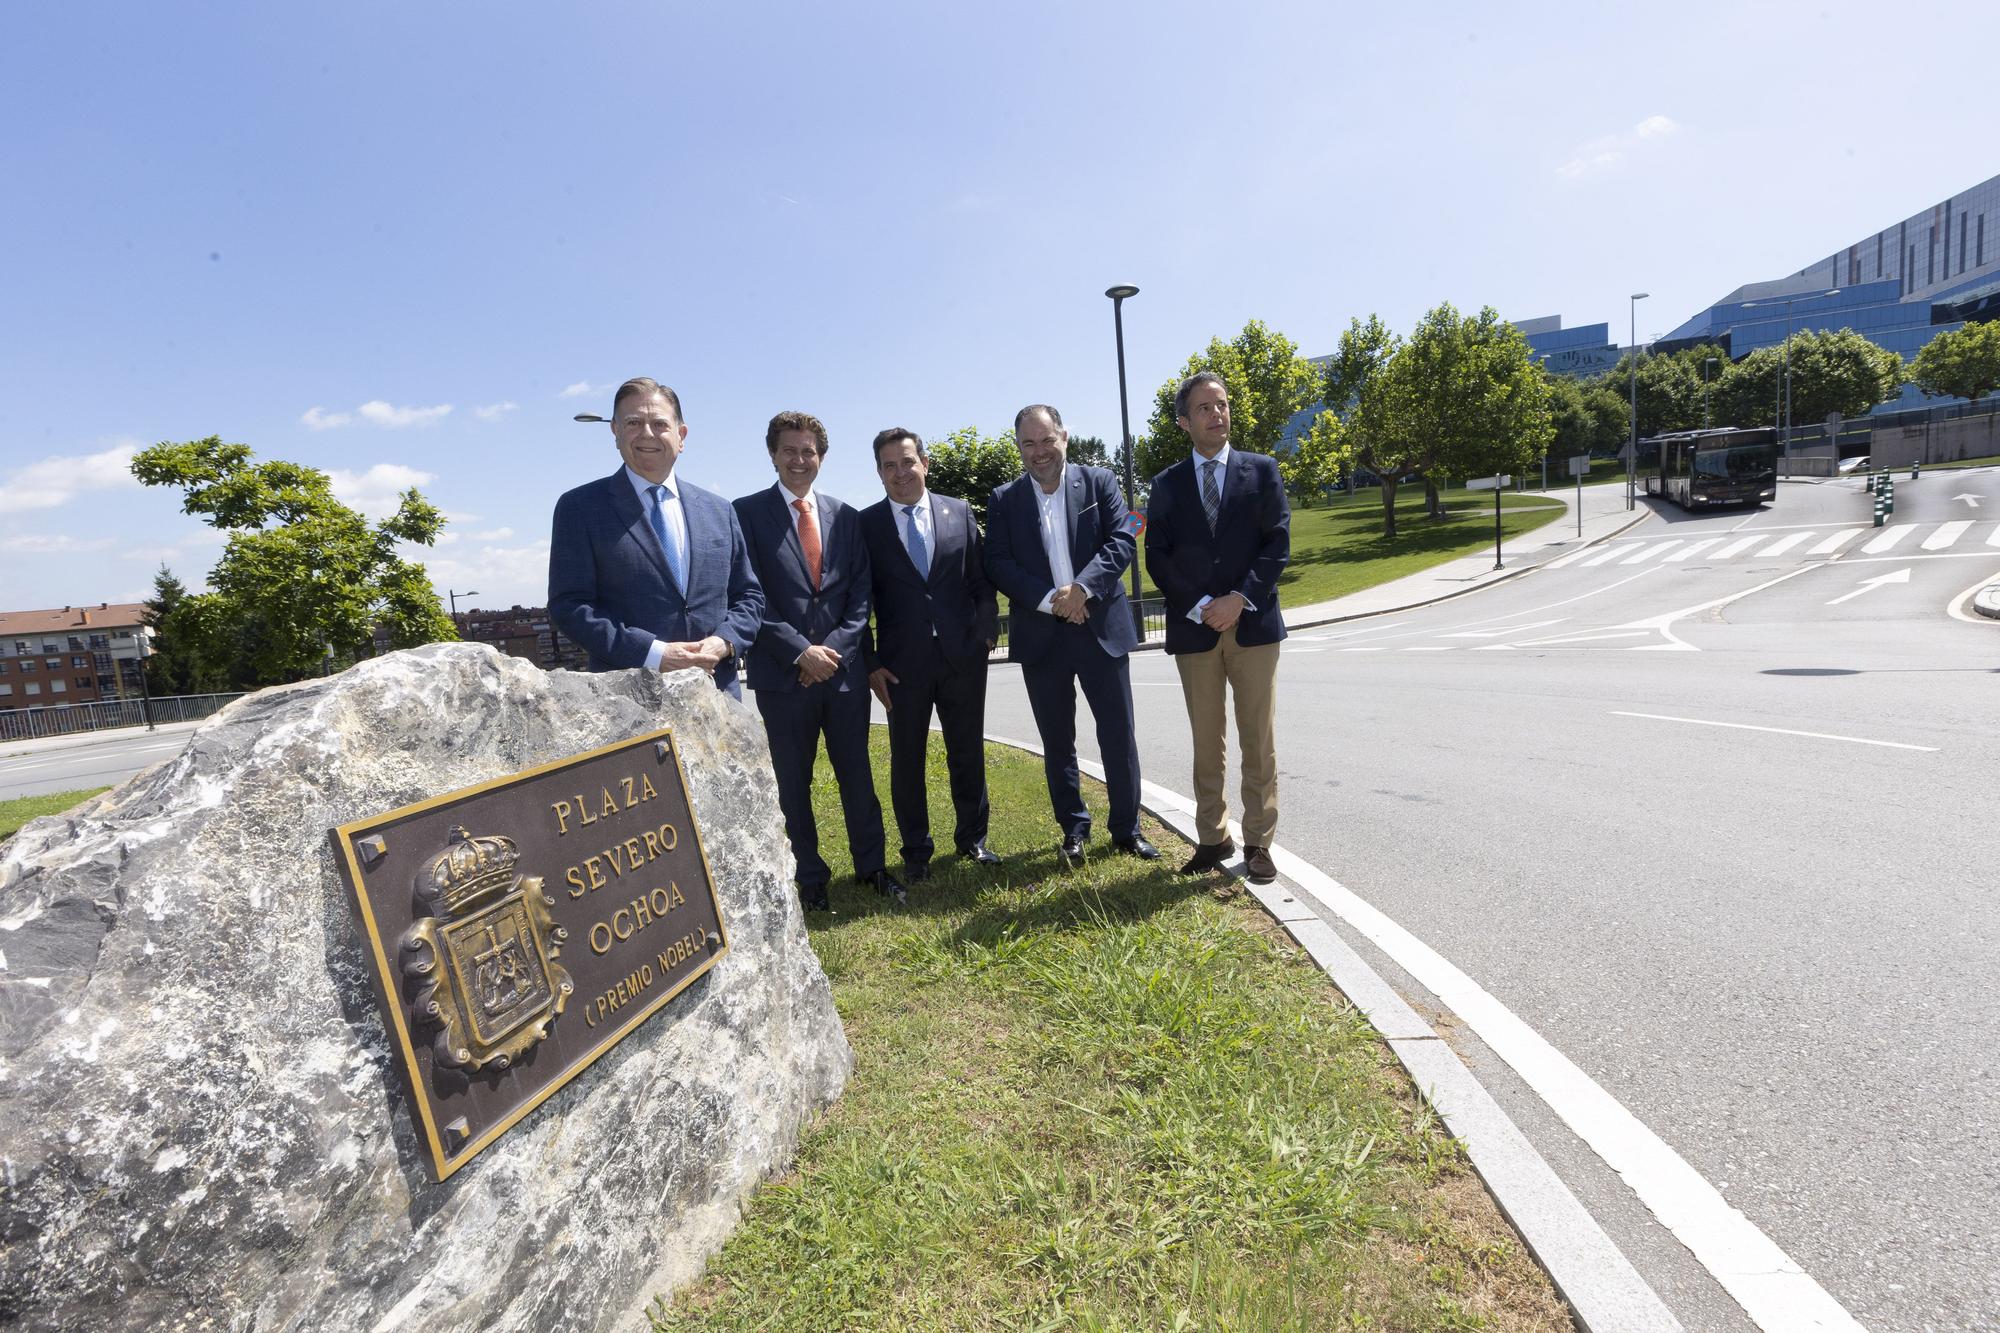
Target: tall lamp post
(454,602)
(1118,295)
(1707,406)
(1632,460)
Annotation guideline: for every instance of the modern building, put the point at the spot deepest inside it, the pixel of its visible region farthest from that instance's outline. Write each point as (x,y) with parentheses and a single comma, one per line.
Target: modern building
(1586,350)
(66,656)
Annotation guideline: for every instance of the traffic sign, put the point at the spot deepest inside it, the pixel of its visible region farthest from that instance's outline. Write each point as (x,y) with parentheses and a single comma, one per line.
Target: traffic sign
(1489,483)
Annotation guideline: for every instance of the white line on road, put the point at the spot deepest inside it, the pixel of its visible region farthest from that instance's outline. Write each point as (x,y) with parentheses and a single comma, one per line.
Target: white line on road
(1648,552)
(1692,548)
(1869,585)
(1888,538)
(1503,631)
(1993,537)
(1738,546)
(1581,638)
(1611,554)
(1946,534)
(1781,731)
(1836,541)
(1784,544)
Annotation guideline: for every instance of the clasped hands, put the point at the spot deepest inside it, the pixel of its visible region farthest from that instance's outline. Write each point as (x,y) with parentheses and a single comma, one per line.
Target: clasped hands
(1071,603)
(1222,613)
(706,654)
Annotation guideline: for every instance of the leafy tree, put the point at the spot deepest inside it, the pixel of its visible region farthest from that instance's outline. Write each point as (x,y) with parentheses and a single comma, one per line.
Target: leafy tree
(1840,372)
(1467,387)
(1315,464)
(1093,452)
(303,576)
(176,665)
(1669,393)
(1748,393)
(1355,386)
(1269,382)
(1960,363)
(1588,417)
(970,466)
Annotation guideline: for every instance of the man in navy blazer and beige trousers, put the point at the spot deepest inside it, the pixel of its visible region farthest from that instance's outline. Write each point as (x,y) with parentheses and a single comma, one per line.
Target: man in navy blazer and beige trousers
(806,667)
(1218,534)
(646,570)
(1057,543)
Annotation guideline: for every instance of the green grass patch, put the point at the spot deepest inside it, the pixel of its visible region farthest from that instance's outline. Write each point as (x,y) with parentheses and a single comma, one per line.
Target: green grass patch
(21,809)
(1104,1099)
(1339,548)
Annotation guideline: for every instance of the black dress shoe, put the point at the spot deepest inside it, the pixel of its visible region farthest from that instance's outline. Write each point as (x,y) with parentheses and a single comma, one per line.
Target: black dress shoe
(812,898)
(979,854)
(887,885)
(1137,846)
(1258,867)
(916,871)
(1072,849)
(1209,856)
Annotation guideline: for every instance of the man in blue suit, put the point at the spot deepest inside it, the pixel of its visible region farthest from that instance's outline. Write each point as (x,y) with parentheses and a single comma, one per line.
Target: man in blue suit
(1058,540)
(646,570)
(936,619)
(806,666)
(1218,534)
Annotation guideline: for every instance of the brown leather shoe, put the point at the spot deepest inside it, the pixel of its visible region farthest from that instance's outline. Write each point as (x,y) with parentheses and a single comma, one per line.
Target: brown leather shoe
(1258,867)
(1209,856)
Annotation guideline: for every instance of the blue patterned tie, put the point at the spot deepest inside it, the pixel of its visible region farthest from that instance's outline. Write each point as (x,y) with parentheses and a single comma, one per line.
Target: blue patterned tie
(920,556)
(669,540)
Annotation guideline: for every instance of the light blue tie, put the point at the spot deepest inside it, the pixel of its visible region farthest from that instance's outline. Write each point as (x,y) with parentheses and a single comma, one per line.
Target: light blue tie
(669,540)
(920,555)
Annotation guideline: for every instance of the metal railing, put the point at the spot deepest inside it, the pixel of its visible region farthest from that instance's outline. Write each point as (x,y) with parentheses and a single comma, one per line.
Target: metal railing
(17,724)
(1153,616)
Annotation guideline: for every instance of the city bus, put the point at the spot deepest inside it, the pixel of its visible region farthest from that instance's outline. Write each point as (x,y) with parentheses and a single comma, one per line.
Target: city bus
(1700,468)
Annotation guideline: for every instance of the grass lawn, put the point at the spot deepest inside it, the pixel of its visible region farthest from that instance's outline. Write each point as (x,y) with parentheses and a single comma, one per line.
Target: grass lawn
(21,809)
(1339,548)
(1108,1098)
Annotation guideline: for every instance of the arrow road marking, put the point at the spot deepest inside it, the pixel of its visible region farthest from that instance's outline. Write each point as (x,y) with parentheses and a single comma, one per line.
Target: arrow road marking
(1900,576)
(1972,500)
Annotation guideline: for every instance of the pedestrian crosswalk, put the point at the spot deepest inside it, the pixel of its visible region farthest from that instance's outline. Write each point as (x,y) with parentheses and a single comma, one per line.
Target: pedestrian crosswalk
(1798,543)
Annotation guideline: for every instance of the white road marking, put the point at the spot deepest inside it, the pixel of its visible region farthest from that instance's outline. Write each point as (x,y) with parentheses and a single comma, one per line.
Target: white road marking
(1579,638)
(1569,559)
(1378,648)
(1429,648)
(1869,585)
(1780,731)
(1784,544)
(1664,623)
(1648,552)
(1502,631)
(1836,541)
(1737,547)
(1957,609)
(1993,537)
(1611,554)
(1691,549)
(1972,500)
(1946,534)
(1888,538)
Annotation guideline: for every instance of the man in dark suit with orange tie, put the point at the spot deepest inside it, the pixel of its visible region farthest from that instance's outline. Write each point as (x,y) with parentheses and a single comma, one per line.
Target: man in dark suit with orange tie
(1058,540)
(936,619)
(1218,534)
(806,666)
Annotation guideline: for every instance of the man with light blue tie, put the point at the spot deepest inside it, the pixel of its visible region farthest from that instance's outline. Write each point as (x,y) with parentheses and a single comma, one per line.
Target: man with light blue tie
(646,570)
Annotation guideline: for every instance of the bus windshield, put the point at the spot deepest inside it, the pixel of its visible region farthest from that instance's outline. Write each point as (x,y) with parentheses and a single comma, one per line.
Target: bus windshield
(1749,462)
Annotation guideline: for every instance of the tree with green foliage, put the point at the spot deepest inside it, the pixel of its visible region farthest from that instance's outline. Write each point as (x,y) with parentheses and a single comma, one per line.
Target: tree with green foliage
(1315,464)
(1960,363)
(1268,382)
(176,665)
(1840,372)
(1748,393)
(1091,451)
(1588,417)
(969,466)
(1355,387)
(1467,387)
(303,579)
(1669,393)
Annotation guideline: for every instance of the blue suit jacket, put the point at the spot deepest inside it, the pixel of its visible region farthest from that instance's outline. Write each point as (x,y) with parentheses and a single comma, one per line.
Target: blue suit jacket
(1101,548)
(796,615)
(956,603)
(1245,551)
(608,584)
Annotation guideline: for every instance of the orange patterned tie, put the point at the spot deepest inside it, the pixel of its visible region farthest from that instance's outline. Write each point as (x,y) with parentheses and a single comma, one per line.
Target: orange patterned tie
(809,538)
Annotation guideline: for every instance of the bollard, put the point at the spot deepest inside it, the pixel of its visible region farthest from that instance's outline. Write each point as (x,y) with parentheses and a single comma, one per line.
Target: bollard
(1888,492)
(1914,465)
(1871,483)
(1880,513)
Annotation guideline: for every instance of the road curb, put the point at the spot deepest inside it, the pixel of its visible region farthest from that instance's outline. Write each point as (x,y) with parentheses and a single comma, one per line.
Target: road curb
(1987,601)
(1605,1292)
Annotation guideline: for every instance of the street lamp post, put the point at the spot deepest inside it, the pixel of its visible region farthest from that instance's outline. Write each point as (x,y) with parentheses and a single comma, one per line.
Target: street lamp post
(1118,295)
(1707,406)
(454,602)
(1632,459)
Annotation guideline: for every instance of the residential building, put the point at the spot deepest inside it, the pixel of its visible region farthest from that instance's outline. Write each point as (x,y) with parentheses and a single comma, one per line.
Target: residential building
(66,656)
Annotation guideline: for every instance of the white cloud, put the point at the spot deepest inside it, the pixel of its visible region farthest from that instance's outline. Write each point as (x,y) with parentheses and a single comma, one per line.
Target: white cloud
(494,411)
(377,491)
(378,413)
(318,418)
(496,535)
(34,543)
(196,543)
(504,575)
(57,481)
(1609,151)
(581,389)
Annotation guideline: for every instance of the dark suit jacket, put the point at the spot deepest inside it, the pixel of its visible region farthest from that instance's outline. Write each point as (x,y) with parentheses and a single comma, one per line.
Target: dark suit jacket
(797,616)
(956,601)
(608,583)
(1101,548)
(1245,552)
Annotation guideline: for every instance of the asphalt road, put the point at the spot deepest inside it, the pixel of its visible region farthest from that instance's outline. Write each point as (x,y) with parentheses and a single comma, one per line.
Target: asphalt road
(30,768)
(1776,949)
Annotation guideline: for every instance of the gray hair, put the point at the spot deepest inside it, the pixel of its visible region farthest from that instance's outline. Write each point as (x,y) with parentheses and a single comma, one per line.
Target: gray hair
(1055,417)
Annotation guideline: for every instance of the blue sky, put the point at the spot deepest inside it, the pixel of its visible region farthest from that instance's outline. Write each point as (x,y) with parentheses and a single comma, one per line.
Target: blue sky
(392,241)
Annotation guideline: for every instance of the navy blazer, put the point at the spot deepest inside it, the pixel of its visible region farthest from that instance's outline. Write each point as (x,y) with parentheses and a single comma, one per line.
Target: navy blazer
(608,583)
(1245,552)
(1101,548)
(796,615)
(956,603)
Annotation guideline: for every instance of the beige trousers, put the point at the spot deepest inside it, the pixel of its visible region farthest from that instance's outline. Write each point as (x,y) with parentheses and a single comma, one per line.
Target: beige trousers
(1251,675)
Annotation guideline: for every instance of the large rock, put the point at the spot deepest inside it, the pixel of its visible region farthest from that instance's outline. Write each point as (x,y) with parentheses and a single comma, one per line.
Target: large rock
(199,1117)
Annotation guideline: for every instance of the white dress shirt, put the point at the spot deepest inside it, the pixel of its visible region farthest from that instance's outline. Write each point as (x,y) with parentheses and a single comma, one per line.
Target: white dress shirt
(1221,461)
(676,518)
(1054,523)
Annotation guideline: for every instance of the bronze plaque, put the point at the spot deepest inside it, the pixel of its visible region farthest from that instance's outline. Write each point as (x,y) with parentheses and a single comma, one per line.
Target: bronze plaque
(521,928)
